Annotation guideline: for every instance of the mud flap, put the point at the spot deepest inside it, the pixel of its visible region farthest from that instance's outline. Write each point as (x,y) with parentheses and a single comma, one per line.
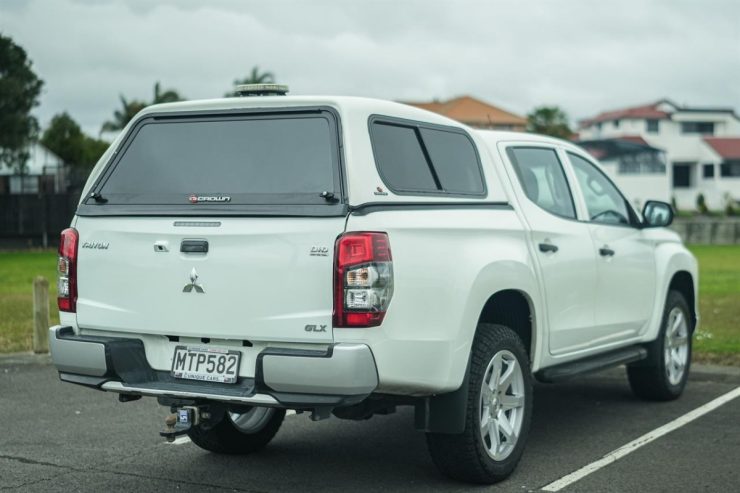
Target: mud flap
(444,413)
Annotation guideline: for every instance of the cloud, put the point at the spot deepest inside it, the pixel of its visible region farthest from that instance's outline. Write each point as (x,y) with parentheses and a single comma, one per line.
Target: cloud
(585,56)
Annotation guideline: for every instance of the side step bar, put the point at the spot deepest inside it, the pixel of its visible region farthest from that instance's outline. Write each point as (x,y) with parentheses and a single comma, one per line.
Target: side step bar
(592,364)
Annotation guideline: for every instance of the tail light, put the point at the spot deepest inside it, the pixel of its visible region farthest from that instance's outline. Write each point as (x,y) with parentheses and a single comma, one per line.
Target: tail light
(363,279)
(67,269)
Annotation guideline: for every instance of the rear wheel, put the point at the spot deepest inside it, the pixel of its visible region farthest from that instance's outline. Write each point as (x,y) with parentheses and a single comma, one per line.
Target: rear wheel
(498,413)
(664,374)
(240,433)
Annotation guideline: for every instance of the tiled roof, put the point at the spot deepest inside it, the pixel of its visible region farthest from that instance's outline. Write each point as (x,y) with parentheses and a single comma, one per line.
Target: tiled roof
(727,147)
(472,111)
(646,111)
(635,139)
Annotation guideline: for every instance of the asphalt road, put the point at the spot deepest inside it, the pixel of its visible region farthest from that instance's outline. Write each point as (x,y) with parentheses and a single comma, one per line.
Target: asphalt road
(60,437)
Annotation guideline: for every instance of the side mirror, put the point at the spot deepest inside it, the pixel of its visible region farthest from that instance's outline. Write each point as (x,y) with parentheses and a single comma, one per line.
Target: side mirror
(656,214)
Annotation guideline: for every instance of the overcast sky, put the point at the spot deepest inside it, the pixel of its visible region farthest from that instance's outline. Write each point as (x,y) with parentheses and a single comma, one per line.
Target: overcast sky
(586,56)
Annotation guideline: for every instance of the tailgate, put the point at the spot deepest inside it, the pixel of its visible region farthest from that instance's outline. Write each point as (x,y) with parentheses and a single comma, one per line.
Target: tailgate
(262,279)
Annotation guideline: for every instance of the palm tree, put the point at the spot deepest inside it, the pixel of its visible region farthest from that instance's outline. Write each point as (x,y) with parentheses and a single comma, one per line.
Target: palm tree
(168,96)
(254,77)
(129,109)
(121,117)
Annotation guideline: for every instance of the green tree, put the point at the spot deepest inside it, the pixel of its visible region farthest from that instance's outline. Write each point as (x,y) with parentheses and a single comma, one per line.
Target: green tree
(254,77)
(549,120)
(19,92)
(65,138)
(129,109)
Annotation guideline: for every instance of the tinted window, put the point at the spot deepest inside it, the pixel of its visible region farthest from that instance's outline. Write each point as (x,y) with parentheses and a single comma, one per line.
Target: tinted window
(401,159)
(454,159)
(604,202)
(541,175)
(681,175)
(653,126)
(414,158)
(708,170)
(288,160)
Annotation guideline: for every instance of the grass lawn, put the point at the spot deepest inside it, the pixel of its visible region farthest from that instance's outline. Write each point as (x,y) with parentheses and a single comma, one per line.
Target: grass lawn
(17,271)
(718,339)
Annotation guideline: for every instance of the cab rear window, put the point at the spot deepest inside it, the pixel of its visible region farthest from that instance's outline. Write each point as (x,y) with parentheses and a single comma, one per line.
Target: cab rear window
(226,160)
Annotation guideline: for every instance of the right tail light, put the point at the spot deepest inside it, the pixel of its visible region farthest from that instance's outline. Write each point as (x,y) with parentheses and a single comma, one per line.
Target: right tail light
(363,279)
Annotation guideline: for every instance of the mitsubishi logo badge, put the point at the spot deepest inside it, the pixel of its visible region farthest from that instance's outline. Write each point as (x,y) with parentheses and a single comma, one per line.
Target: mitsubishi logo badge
(194,285)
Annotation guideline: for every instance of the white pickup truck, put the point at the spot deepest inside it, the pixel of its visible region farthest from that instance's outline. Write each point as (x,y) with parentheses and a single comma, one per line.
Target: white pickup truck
(243,256)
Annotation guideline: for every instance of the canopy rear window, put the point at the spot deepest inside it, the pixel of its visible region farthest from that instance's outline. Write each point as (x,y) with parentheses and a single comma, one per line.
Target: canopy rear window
(206,162)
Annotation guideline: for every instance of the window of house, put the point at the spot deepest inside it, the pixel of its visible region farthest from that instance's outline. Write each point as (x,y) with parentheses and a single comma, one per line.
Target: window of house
(653,126)
(616,123)
(598,126)
(708,170)
(681,175)
(542,177)
(730,169)
(604,202)
(415,158)
(704,128)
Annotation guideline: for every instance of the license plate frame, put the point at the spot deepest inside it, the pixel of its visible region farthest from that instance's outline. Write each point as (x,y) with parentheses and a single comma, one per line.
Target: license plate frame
(193,363)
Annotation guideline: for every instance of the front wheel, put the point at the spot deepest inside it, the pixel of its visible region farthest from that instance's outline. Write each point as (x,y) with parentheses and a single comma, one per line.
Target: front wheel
(240,433)
(663,375)
(498,414)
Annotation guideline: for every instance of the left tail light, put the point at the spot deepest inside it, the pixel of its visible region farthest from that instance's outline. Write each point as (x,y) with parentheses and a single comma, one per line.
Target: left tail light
(363,279)
(67,269)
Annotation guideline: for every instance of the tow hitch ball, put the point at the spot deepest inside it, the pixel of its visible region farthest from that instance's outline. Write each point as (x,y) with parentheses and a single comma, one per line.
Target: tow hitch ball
(181,420)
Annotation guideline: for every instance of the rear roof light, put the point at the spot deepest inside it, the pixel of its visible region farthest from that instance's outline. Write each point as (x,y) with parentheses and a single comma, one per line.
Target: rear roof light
(363,279)
(67,269)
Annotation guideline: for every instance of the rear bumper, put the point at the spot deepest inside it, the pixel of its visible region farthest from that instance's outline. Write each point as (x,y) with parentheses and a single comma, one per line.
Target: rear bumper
(342,375)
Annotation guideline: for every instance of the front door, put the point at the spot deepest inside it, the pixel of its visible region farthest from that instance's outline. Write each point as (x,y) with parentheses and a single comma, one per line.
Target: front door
(625,260)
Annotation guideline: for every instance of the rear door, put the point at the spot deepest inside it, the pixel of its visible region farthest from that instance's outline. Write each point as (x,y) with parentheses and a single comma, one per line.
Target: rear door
(562,245)
(216,226)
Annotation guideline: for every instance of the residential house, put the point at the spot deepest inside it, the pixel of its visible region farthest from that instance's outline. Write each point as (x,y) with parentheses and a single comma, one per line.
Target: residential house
(475,113)
(44,173)
(701,145)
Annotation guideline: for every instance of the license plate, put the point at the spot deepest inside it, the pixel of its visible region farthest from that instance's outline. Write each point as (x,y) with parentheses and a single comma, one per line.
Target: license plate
(206,364)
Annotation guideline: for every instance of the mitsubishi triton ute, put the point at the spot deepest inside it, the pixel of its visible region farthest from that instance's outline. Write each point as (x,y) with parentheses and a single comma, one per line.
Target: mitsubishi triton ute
(236,258)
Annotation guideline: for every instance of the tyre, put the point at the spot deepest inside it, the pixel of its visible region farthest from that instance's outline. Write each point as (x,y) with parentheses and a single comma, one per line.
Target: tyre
(240,433)
(498,411)
(662,376)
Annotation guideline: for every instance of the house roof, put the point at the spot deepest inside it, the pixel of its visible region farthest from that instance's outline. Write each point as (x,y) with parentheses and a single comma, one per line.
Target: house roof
(645,111)
(654,110)
(726,147)
(472,111)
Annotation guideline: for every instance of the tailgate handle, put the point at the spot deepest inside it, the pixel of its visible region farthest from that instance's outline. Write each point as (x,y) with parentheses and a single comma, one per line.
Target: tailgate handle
(194,246)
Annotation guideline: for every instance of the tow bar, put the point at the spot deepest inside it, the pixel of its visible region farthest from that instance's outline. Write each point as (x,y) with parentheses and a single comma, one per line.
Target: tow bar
(182,419)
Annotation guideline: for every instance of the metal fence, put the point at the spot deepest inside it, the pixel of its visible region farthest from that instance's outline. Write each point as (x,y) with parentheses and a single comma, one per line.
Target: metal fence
(709,231)
(35,220)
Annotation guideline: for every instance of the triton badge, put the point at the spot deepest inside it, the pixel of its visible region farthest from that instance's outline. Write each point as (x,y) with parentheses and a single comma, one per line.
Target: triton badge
(194,285)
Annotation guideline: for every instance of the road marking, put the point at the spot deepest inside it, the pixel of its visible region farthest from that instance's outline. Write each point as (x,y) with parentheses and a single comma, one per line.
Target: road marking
(617,454)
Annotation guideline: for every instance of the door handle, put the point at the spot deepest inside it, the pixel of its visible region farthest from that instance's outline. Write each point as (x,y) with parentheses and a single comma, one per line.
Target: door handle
(194,246)
(548,247)
(605,251)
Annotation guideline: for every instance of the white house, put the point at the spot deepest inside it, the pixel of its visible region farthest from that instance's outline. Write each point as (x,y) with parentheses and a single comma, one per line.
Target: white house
(702,151)
(44,173)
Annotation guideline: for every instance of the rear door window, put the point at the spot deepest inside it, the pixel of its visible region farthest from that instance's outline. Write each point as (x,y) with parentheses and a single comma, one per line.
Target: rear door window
(276,159)
(542,177)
